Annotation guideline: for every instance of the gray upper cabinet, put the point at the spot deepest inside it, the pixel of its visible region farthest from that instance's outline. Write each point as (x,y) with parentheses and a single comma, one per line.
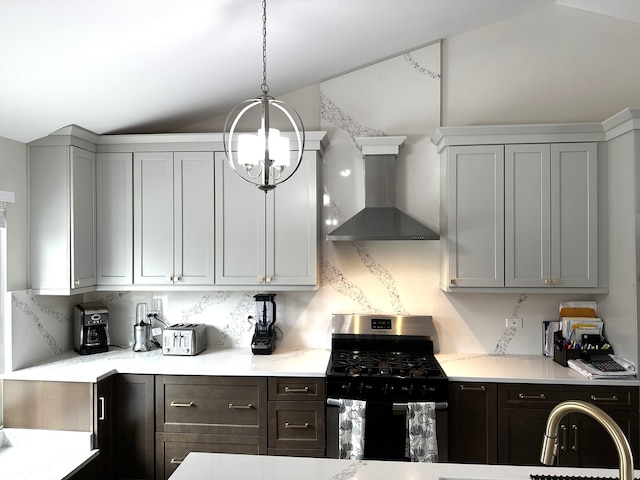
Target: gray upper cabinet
(551,221)
(267,239)
(62,219)
(520,209)
(173,218)
(115,218)
(472,229)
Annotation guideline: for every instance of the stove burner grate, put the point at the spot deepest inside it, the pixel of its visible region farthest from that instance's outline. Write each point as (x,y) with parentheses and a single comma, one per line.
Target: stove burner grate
(383,364)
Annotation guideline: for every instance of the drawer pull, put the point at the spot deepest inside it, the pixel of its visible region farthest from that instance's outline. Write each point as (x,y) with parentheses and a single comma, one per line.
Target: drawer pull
(540,396)
(613,398)
(175,461)
(246,407)
(179,404)
(294,425)
(305,389)
(481,388)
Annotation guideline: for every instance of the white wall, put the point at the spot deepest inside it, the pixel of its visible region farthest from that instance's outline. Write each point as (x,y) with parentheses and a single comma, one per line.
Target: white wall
(556,64)
(13,178)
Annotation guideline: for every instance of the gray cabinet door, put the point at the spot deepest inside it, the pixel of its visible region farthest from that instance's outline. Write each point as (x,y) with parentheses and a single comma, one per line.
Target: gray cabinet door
(173,218)
(193,218)
(267,239)
(153,218)
(292,228)
(574,215)
(115,218)
(551,215)
(527,215)
(83,219)
(61,219)
(473,243)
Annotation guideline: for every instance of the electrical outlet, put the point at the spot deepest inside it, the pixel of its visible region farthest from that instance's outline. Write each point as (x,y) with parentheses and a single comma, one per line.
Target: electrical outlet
(514,322)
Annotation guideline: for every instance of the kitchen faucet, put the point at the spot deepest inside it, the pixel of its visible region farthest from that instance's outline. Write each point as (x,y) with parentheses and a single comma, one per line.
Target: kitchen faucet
(550,444)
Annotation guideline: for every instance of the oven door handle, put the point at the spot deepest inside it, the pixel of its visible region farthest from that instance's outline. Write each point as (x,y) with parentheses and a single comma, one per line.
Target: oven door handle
(396,406)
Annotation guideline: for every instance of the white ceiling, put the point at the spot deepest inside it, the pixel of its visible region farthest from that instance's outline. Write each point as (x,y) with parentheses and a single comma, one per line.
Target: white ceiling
(115,66)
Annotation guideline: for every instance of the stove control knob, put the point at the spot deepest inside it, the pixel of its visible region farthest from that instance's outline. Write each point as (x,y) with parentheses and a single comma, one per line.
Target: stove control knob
(385,389)
(345,387)
(407,389)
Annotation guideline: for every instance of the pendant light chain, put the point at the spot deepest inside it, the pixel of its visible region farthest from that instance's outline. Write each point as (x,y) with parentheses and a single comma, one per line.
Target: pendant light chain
(264,87)
(263,157)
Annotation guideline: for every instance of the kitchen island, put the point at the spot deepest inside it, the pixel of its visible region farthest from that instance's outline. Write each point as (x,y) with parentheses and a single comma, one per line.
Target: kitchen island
(219,466)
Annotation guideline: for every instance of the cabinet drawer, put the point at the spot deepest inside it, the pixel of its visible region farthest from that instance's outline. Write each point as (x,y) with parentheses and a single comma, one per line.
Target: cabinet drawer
(172,448)
(296,425)
(294,388)
(547,396)
(215,405)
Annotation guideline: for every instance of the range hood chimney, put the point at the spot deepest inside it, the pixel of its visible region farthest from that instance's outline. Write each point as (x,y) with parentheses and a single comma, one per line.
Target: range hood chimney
(380,219)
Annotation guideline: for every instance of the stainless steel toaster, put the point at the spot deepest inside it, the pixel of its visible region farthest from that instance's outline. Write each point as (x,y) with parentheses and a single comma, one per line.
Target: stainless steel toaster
(184,339)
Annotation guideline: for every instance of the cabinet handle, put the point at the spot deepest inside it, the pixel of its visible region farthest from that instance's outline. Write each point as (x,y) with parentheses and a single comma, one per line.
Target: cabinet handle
(102,414)
(247,406)
(452,281)
(547,281)
(179,404)
(76,283)
(268,280)
(555,281)
(540,396)
(574,447)
(175,461)
(293,425)
(612,398)
(305,389)
(563,446)
(260,279)
(481,388)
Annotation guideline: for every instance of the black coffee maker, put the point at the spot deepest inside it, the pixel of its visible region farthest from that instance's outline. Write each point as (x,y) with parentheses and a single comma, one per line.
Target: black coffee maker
(90,328)
(264,337)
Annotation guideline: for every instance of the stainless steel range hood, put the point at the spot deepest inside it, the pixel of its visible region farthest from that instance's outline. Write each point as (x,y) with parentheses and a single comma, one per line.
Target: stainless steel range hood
(380,219)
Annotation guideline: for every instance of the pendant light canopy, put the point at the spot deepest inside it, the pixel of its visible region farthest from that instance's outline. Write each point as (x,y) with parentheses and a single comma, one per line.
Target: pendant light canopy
(263,155)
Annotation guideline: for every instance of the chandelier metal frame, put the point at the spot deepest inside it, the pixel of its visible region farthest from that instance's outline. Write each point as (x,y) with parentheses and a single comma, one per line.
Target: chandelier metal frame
(269,171)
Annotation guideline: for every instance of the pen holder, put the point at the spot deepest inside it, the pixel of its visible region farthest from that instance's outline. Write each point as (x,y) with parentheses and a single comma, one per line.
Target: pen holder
(562,354)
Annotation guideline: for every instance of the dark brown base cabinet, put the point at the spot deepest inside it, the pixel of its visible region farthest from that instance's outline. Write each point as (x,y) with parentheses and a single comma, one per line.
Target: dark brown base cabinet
(133,429)
(208,414)
(504,423)
(297,416)
(473,423)
(522,417)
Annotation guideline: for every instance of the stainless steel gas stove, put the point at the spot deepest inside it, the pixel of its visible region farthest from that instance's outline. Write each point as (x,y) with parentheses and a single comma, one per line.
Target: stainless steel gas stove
(387,360)
(377,357)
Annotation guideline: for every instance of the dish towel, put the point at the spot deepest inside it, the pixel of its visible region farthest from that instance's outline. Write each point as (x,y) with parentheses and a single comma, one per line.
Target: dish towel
(421,432)
(351,428)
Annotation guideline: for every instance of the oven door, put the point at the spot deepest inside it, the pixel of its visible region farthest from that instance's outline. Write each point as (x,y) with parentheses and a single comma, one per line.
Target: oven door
(385,431)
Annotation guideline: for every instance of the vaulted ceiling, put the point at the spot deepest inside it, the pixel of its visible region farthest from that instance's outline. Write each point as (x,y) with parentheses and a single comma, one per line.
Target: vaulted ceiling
(156,65)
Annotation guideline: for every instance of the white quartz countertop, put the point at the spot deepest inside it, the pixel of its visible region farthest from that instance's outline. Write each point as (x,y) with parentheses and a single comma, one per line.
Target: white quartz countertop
(300,362)
(71,367)
(482,367)
(219,466)
(43,454)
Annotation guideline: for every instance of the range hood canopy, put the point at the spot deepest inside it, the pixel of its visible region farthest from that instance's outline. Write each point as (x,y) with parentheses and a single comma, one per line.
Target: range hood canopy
(380,219)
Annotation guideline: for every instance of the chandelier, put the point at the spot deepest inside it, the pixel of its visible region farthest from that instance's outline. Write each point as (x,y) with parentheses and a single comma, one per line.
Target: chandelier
(264,156)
